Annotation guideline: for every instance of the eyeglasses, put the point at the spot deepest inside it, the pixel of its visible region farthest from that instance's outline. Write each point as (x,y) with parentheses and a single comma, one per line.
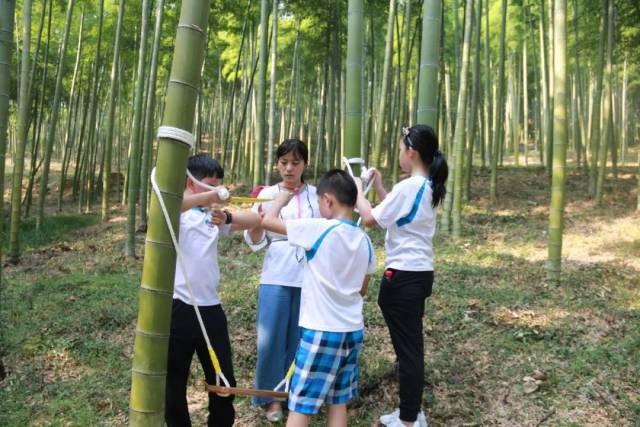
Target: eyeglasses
(405,133)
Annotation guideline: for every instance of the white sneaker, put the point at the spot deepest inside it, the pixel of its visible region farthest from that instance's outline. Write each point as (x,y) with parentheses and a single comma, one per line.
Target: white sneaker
(393,419)
(386,419)
(275,416)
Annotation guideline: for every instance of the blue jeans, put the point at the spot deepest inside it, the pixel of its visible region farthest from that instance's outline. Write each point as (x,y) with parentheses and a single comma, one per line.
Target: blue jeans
(278,335)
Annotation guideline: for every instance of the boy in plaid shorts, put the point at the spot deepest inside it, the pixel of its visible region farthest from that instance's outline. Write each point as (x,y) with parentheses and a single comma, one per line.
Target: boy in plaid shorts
(339,260)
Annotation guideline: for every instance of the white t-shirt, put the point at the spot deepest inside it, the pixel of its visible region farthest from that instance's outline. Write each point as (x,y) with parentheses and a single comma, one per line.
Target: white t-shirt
(198,241)
(338,256)
(410,221)
(283,263)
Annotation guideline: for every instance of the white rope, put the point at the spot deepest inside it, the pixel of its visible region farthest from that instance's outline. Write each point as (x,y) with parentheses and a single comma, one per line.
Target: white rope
(365,175)
(223,193)
(156,189)
(177,134)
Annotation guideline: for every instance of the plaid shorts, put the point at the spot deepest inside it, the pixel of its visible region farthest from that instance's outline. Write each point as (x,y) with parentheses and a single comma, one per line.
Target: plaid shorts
(326,370)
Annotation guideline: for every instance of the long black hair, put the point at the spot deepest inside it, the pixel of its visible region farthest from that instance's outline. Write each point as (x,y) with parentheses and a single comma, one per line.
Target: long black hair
(424,140)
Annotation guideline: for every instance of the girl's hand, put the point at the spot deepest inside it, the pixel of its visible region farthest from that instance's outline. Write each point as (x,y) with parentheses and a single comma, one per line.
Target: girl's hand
(358,185)
(283,198)
(375,177)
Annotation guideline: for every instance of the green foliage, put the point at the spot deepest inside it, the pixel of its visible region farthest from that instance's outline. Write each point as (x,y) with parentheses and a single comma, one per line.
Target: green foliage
(55,228)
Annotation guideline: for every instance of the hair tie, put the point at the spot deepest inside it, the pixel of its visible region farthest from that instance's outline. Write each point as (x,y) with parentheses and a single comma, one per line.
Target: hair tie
(438,153)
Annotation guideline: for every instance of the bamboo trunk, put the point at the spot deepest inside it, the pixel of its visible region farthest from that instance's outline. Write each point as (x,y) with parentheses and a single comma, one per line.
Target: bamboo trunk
(53,120)
(460,133)
(23,118)
(134,176)
(353,111)
(556,210)
(111,110)
(154,313)
(429,63)
(498,117)
(382,108)
(271,139)
(149,121)
(606,113)
(258,167)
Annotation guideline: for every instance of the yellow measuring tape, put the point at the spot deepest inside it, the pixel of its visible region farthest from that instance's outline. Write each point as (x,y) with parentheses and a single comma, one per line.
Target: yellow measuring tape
(240,199)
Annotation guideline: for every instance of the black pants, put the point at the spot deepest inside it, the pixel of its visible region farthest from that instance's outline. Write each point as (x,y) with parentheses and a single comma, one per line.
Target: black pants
(402,298)
(186,338)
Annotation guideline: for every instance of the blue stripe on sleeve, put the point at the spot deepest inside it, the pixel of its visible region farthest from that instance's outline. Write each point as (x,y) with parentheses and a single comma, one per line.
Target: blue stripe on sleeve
(312,252)
(414,209)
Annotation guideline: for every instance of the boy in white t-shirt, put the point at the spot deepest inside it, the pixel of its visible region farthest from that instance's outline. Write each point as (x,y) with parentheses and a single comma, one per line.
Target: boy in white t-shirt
(200,229)
(339,260)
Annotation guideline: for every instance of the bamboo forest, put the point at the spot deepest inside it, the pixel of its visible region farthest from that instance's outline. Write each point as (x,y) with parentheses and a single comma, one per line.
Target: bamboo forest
(110,111)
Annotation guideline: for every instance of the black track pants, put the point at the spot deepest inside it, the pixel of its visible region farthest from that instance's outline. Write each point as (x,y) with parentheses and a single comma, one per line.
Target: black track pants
(402,298)
(186,338)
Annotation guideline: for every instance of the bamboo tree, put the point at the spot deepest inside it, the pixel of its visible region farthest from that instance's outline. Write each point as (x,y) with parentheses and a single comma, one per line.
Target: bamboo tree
(382,108)
(545,114)
(24,103)
(39,112)
(550,65)
(488,117)
(154,312)
(606,113)
(460,132)
(472,123)
(111,114)
(353,112)
(53,119)
(525,101)
(234,84)
(7,14)
(86,189)
(272,91)
(556,210)
(429,63)
(499,116)
(638,180)
(149,121)
(623,114)
(331,93)
(258,170)
(134,176)
(594,129)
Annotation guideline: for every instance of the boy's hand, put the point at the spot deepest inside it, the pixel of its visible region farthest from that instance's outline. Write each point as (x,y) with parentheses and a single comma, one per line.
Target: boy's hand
(213,197)
(282,198)
(218,217)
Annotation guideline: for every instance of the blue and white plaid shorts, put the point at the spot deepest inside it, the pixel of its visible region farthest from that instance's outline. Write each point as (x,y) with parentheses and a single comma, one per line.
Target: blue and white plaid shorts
(326,370)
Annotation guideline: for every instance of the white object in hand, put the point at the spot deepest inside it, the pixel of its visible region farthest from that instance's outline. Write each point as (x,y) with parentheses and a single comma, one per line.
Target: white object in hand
(223,193)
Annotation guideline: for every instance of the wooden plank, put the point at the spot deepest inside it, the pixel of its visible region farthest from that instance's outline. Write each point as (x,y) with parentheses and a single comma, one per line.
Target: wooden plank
(238,391)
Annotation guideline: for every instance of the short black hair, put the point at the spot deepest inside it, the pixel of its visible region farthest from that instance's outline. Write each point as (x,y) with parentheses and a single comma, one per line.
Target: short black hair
(341,185)
(295,145)
(203,166)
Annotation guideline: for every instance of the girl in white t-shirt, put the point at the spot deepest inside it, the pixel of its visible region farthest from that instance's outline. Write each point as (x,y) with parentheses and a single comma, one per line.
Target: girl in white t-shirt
(408,213)
(281,279)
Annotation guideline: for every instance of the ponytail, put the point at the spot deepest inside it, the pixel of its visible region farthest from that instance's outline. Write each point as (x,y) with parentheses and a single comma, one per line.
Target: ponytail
(438,172)
(423,139)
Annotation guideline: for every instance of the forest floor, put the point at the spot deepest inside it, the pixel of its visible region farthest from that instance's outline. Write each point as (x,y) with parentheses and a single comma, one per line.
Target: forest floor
(503,346)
